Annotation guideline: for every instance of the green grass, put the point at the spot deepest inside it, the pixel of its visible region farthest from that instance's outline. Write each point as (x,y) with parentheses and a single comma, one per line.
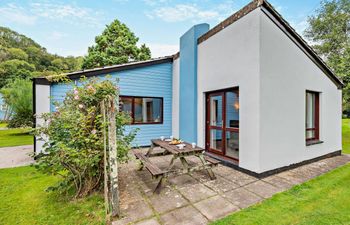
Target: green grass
(324,200)
(15,137)
(2,125)
(346,136)
(25,201)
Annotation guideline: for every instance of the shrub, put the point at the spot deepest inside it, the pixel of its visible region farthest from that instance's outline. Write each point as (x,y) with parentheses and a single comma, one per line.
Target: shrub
(73,137)
(18,96)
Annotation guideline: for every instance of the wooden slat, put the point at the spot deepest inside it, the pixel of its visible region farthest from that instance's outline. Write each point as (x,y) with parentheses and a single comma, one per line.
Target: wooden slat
(211,160)
(151,167)
(175,150)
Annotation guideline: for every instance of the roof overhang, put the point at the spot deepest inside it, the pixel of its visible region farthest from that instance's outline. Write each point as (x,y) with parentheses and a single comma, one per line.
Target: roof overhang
(104,70)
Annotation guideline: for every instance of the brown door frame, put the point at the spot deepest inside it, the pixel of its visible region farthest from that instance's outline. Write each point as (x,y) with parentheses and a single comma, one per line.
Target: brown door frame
(224,129)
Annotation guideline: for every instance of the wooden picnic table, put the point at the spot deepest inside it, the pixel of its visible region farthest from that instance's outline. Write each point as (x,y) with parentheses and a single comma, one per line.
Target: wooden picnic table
(206,163)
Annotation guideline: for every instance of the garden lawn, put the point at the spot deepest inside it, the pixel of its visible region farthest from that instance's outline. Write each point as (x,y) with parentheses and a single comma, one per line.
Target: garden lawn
(324,200)
(15,137)
(25,201)
(346,136)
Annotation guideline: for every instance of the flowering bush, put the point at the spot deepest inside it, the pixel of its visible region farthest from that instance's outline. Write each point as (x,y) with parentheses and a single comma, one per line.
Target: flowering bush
(73,137)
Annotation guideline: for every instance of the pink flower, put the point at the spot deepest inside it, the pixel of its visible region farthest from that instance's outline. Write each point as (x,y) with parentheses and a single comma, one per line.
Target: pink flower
(81,106)
(93,131)
(76,97)
(76,91)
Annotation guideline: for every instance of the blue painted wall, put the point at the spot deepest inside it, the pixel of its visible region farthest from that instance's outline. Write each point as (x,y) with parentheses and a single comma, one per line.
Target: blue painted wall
(149,81)
(188,82)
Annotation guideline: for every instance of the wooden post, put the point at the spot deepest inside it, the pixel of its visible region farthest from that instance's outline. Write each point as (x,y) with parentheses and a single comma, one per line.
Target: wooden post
(112,145)
(105,164)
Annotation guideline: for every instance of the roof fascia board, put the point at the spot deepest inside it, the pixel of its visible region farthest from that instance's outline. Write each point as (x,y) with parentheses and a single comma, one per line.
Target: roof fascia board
(106,70)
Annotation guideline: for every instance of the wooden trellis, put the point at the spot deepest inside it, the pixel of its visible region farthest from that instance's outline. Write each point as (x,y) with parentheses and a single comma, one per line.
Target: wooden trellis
(111,192)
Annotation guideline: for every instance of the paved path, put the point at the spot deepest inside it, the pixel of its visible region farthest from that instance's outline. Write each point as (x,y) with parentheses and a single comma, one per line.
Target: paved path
(195,199)
(16,156)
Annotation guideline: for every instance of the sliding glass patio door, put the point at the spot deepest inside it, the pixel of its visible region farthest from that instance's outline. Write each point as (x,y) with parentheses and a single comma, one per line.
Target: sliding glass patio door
(222,130)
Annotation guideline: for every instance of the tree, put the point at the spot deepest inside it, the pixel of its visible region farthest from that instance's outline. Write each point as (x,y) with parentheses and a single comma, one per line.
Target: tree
(12,69)
(329,28)
(116,45)
(16,53)
(18,96)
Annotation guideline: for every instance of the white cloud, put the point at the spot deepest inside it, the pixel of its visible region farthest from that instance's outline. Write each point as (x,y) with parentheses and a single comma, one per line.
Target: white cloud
(155,2)
(56,35)
(193,12)
(16,14)
(182,12)
(159,50)
(68,13)
(299,26)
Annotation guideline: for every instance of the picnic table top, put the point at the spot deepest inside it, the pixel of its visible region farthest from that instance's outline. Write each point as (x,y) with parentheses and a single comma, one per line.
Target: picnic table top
(174,149)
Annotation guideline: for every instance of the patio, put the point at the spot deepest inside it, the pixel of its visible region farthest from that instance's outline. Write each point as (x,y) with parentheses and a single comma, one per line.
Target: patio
(193,199)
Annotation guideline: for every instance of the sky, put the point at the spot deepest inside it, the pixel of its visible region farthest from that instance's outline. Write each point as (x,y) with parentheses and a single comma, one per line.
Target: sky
(69,27)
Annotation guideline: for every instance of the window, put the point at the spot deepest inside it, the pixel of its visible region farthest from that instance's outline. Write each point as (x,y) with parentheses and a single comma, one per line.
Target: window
(312,116)
(143,110)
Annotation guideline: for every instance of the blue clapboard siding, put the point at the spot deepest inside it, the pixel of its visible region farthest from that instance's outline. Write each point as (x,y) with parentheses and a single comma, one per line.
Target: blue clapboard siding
(149,81)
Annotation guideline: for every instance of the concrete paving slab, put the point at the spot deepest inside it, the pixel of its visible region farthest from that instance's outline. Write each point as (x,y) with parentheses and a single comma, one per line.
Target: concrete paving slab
(278,182)
(184,216)
(241,197)
(215,207)
(240,178)
(135,211)
(16,156)
(152,221)
(183,180)
(221,185)
(168,200)
(262,189)
(196,192)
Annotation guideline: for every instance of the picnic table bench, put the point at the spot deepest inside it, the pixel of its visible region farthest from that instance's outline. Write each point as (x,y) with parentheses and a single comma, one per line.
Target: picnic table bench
(206,163)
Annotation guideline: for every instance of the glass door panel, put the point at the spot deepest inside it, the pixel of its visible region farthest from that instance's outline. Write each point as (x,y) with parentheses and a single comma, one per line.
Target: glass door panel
(216,141)
(223,123)
(232,144)
(216,111)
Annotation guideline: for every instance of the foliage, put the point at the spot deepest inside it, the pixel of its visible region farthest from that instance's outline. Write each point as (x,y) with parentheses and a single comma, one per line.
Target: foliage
(14,68)
(18,96)
(18,51)
(15,137)
(24,201)
(346,135)
(329,29)
(116,45)
(323,200)
(74,147)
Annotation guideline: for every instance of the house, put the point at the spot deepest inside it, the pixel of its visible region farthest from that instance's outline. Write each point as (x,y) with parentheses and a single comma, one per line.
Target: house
(250,91)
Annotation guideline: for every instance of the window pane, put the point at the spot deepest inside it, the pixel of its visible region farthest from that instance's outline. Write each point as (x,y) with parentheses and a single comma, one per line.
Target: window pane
(232,110)
(126,104)
(232,144)
(216,139)
(310,110)
(148,110)
(216,111)
(310,134)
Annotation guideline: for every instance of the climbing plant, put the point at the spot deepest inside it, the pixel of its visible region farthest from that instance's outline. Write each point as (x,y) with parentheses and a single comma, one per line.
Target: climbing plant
(74,135)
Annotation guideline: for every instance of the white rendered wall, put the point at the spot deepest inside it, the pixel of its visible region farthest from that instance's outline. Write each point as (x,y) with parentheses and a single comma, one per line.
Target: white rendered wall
(228,59)
(176,97)
(286,74)
(42,100)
